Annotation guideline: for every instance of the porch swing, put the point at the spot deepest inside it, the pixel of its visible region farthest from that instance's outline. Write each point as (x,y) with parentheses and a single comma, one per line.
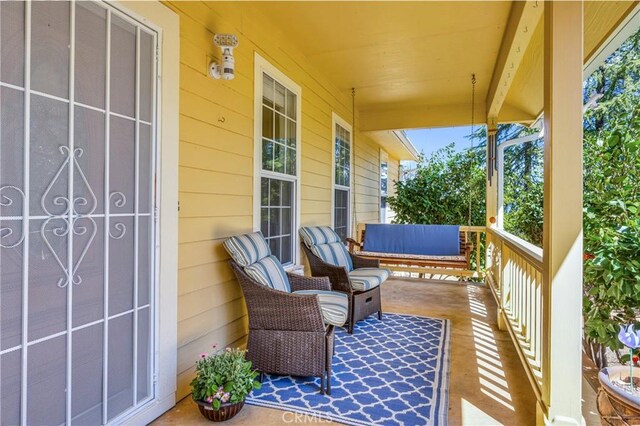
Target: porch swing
(423,249)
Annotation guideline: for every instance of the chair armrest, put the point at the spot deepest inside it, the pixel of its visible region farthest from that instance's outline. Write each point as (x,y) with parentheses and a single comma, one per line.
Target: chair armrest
(338,275)
(363,262)
(353,244)
(299,282)
(277,310)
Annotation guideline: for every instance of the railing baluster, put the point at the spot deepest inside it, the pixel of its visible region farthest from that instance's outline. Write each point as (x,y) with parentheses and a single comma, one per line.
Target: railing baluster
(516,274)
(478,253)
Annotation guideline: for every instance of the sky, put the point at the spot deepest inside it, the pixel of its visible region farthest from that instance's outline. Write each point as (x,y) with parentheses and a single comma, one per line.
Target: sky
(430,140)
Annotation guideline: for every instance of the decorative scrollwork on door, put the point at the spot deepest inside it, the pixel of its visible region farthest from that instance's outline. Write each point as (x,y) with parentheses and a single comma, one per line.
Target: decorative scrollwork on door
(10,195)
(119,200)
(76,220)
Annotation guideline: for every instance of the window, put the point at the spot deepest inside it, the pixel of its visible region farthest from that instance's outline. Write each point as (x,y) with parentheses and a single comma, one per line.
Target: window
(277,135)
(342,176)
(384,166)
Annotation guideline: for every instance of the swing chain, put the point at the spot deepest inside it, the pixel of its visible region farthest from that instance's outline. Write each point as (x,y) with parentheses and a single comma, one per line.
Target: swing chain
(473,114)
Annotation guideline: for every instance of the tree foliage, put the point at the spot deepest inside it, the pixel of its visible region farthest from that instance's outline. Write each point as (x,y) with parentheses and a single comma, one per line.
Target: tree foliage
(440,189)
(611,196)
(523,191)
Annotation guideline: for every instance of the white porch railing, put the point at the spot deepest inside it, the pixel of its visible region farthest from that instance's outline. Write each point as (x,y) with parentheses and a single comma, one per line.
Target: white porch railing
(514,274)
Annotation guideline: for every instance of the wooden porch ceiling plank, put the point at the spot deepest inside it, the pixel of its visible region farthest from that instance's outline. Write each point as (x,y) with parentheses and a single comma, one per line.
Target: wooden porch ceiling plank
(523,20)
(415,117)
(428,116)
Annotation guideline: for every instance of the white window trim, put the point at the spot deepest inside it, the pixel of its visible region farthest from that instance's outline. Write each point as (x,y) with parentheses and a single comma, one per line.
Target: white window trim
(261,65)
(384,158)
(167,24)
(337,120)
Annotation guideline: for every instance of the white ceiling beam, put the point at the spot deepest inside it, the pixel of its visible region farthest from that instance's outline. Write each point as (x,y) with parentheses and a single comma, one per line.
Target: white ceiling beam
(523,19)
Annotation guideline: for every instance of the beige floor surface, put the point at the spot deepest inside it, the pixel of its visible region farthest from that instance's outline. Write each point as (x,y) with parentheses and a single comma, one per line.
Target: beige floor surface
(488,385)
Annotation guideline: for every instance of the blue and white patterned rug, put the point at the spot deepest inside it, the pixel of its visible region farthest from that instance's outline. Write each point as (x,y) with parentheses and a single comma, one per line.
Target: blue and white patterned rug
(389,372)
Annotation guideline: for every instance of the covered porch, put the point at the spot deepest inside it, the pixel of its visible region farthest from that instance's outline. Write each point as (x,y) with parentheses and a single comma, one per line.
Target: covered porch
(409,65)
(306,130)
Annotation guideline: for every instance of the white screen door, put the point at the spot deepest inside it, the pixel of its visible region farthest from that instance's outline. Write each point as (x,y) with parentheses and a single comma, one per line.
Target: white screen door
(77,174)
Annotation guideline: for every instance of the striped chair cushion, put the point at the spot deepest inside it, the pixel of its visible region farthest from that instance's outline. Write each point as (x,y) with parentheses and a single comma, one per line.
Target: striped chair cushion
(363,279)
(269,272)
(333,253)
(248,248)
(316,235)
(334,305)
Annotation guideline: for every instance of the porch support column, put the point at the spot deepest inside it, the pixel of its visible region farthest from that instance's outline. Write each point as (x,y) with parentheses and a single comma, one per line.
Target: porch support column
(562,247)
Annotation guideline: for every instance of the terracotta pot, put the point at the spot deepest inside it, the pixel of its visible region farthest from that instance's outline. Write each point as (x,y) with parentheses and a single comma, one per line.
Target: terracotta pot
(616,406)
(226,411)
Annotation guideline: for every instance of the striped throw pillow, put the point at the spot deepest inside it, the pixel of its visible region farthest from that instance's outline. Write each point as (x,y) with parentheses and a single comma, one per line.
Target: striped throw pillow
(269,271)
(315,235)
(333,253)
(248,248)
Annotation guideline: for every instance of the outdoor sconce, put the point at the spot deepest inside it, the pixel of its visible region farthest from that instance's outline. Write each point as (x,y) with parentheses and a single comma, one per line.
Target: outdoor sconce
(225,69)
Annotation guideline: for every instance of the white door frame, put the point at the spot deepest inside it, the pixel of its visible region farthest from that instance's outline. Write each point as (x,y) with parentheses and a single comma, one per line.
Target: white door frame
(167,24)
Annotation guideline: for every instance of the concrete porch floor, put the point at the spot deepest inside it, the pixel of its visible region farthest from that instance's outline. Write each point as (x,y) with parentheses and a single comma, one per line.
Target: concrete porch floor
(488,384)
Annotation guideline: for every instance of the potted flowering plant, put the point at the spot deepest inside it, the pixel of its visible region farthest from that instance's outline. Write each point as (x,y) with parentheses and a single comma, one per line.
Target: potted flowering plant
(619,394)
(223,381)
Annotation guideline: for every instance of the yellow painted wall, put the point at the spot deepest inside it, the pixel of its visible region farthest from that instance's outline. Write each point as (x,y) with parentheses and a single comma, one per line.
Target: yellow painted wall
(393,174)
(216,165)
(367,179)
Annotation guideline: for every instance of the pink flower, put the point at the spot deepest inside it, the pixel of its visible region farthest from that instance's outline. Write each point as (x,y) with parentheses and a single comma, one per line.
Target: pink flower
(209,399)
(204,355)
(220,392)
(225,397)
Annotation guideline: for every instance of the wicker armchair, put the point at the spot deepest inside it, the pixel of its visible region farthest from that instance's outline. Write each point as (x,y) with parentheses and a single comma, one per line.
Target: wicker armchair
(362,303)
(287,334)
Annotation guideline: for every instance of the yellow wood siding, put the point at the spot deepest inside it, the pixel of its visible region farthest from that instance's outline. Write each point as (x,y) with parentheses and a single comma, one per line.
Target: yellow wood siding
(393,175)
(216,165)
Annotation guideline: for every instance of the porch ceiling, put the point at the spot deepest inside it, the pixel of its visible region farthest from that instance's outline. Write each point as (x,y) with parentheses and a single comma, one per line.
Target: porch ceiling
(400,56)
(411,62)
(600,20)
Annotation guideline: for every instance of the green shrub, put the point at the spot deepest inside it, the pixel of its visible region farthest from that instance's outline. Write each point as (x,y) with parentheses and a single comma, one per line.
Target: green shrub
(439,190)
